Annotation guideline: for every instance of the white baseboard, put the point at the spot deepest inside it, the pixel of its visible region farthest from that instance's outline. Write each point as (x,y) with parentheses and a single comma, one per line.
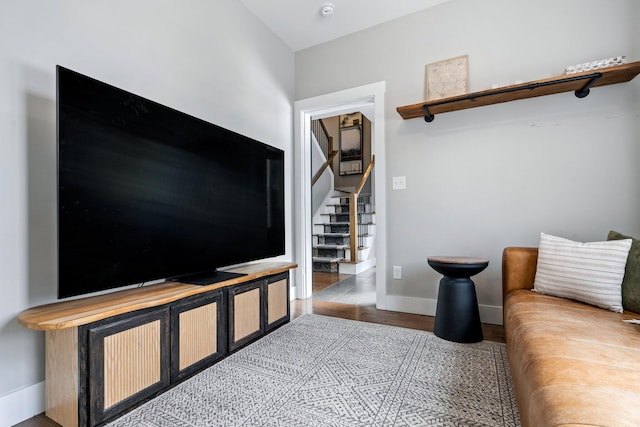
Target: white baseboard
(488,313)
(410,305)
(491,314)
(22,404)
(357,268)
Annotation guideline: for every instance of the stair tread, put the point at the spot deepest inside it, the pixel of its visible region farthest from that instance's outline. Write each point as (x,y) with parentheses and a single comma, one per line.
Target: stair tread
(347,213)
(344,223)
(342,234)
(332,223)
(327,259)
(339,247)
(340,205)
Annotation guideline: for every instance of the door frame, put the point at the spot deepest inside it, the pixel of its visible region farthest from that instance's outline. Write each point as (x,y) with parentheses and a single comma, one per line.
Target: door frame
(328,105)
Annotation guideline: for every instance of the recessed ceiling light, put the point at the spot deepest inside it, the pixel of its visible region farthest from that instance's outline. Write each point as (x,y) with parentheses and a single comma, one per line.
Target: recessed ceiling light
(327,9)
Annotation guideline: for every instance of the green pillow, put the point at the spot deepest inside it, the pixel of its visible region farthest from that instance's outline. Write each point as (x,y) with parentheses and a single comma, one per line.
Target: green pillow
(631,281)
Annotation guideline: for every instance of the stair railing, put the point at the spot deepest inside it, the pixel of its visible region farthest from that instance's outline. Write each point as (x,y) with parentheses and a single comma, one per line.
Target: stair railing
(325,165)
(354,241)
(325,141)
(326,145)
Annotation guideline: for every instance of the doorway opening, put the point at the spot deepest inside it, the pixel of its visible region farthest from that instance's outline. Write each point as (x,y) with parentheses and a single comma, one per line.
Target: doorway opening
(343,208)
(369,100)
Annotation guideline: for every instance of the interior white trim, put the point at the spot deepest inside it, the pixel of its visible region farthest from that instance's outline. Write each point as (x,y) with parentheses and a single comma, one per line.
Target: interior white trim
(362,97)
(426,306)
(491,314)
(22,404)
(349,268)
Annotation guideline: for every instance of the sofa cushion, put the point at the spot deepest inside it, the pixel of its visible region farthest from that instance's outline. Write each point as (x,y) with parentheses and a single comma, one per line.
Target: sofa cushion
(631,281)
(571,363)
(589,272)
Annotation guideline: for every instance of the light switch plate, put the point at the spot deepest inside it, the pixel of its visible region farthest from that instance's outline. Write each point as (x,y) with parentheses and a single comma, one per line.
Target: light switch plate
(399,182)
(397,272)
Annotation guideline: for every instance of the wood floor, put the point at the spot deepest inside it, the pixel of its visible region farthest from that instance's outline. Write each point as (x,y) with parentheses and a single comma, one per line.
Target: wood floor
(324,280)
(38,421)
(345,311)
(371,314)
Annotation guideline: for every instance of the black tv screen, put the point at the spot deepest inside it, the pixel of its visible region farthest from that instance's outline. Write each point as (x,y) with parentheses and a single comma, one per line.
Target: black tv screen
(146,192)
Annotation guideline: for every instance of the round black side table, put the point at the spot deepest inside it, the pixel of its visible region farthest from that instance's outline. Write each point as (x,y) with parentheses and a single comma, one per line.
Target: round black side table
(457,316)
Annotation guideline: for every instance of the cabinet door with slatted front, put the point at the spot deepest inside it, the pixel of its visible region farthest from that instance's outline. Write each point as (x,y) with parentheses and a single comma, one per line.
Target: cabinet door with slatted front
(128,361)
(198,333)
(246,309)
(277,300)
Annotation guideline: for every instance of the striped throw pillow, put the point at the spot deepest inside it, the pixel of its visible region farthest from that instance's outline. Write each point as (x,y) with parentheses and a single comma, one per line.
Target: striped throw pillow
(588,272)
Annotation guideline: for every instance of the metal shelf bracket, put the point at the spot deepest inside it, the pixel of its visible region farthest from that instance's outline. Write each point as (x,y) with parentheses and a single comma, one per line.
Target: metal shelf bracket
(428,117)
(580,93)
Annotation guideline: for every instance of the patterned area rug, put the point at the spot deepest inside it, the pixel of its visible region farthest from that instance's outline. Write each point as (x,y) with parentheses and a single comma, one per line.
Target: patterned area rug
(325,371)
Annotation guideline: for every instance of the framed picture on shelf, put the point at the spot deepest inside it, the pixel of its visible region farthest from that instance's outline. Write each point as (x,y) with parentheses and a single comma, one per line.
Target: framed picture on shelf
(351,144)
(351,168)
(351,119)
(447,78)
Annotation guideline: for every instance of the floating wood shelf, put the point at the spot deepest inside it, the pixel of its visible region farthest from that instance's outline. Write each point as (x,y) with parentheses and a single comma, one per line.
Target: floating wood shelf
(580,83)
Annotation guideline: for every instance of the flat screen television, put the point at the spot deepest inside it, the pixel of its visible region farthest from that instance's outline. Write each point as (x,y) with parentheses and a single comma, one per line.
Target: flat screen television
(146,192)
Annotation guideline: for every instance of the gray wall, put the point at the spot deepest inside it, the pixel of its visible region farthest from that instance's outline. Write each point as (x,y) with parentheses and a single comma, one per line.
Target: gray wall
(211,59)
(482,179)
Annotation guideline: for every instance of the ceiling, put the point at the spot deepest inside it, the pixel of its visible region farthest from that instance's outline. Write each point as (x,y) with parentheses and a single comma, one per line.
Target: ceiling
(300,24)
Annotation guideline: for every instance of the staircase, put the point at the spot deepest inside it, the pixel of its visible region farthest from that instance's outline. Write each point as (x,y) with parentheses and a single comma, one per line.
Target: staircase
(332,234)
(342,242)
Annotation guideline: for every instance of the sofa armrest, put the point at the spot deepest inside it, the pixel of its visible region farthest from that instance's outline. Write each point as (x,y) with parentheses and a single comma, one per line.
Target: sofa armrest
(518,268)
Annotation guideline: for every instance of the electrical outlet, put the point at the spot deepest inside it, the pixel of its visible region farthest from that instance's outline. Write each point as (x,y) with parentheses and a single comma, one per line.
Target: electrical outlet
(397,272)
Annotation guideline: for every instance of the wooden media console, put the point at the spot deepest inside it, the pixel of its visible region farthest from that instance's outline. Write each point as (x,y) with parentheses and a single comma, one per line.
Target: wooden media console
(107,354)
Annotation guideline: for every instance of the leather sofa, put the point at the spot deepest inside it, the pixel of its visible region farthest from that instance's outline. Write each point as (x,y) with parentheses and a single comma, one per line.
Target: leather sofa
(572,364)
